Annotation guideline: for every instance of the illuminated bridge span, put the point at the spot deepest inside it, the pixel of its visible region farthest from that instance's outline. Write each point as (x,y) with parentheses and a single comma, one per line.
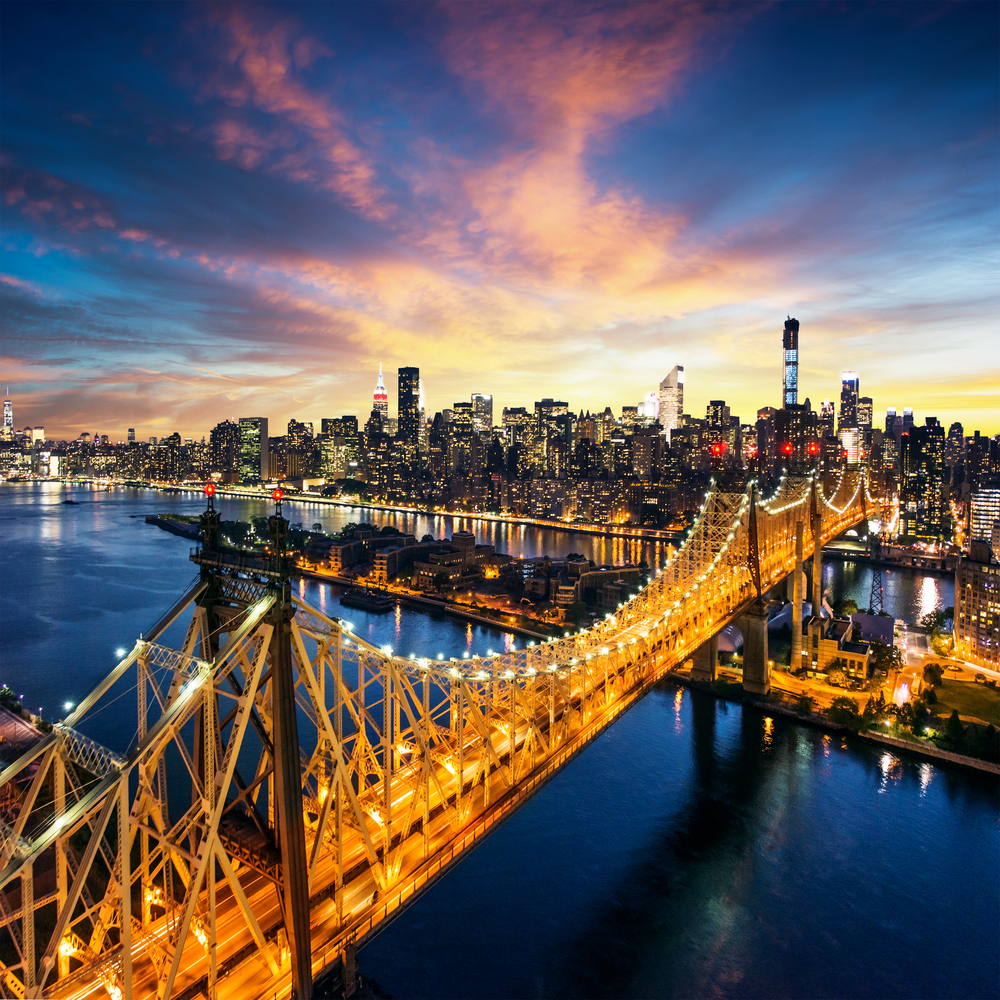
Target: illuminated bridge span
(290,787)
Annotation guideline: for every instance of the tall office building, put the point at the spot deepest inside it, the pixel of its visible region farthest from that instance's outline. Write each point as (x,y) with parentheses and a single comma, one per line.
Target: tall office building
(865,412)
(890,420)
(984,512)
(482,413)
(850,386)
(827,418)
(421,419)
(790,363)
(8,416)
(409,405)
(131,435)
(254,459)
(977,612)
(380,400)
(672,400)
(907,418)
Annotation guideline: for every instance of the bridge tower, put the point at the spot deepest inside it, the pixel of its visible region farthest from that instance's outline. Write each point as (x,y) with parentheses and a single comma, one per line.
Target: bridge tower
(756,668)
(287,834)
(817,568)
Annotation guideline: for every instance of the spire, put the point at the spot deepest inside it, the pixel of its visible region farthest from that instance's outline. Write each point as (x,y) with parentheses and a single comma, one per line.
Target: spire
(380,386)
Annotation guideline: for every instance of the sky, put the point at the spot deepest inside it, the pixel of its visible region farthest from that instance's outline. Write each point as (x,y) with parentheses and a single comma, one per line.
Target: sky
(240,210)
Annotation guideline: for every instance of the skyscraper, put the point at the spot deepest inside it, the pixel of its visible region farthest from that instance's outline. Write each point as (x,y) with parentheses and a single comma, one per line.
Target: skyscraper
(131,435)
(790,363)
(409,405)
(8,415)
(254,460)
(380,400)
(850,386)
(482,413)
(672,400)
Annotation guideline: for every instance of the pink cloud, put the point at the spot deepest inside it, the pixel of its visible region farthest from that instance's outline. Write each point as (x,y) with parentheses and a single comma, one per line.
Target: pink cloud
(262,61)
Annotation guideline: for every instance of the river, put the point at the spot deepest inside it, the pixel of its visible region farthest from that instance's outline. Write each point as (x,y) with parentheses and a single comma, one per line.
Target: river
(695,849)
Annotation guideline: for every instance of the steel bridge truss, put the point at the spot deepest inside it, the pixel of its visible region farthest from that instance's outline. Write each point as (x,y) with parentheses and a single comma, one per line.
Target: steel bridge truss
(157,871)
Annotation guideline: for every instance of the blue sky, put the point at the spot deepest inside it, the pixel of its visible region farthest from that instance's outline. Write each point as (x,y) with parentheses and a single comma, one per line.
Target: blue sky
(214,211)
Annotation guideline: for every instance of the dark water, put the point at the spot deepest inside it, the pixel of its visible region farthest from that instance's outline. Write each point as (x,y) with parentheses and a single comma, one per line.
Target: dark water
(906,593)
(695,849)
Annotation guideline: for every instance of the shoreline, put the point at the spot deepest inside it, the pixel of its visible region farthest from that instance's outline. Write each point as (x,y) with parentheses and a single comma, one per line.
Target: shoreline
(661,535)
(931,753)
(426,603)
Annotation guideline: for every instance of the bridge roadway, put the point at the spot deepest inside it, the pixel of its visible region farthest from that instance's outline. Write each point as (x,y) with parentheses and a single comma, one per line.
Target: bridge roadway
(406,765)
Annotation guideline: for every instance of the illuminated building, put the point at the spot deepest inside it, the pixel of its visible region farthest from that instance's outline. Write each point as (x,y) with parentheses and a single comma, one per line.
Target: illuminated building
(795,437)
(482,413)
(8,417)
(984,510)
(850,386)
(850,444)
(827,418)
(37,435)
(865,412)
(421,419)
(131,435)
(408,409)
(790,363)
(977,607)
(629,416)
(518,425)
(224,449)
(380,400)
(254,458)
(649,408)
(890,420)
(672,400)
(923,507)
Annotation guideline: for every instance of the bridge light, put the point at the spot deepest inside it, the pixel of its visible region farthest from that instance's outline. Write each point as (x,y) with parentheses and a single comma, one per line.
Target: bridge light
(119,652)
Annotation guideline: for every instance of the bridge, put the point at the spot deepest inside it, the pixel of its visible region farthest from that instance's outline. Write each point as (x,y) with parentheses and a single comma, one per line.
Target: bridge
(291,788)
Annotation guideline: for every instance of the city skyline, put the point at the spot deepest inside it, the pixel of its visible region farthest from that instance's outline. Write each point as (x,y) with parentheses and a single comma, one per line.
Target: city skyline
(387,404)
(244,209)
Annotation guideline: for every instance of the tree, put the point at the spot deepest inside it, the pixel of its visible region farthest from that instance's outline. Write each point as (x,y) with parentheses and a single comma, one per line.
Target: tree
(427,538)
(932,675)
(9,700)
(844,712)
(440,581)
(317,526)
(836,677)
(804,705)
(845,607)
(576,611)
(954,731)
(886,657)
(933,621)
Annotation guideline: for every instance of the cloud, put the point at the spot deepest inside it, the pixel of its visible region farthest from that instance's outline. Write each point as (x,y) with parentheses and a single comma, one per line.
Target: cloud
(260,61)
(49,200)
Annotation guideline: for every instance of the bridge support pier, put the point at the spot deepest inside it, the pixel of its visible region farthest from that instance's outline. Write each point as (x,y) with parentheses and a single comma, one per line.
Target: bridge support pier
(706,660)
(795,660)
(349,977)
(756,671)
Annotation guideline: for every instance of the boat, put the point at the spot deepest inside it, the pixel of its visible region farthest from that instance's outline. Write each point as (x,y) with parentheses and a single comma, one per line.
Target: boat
(367,600)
